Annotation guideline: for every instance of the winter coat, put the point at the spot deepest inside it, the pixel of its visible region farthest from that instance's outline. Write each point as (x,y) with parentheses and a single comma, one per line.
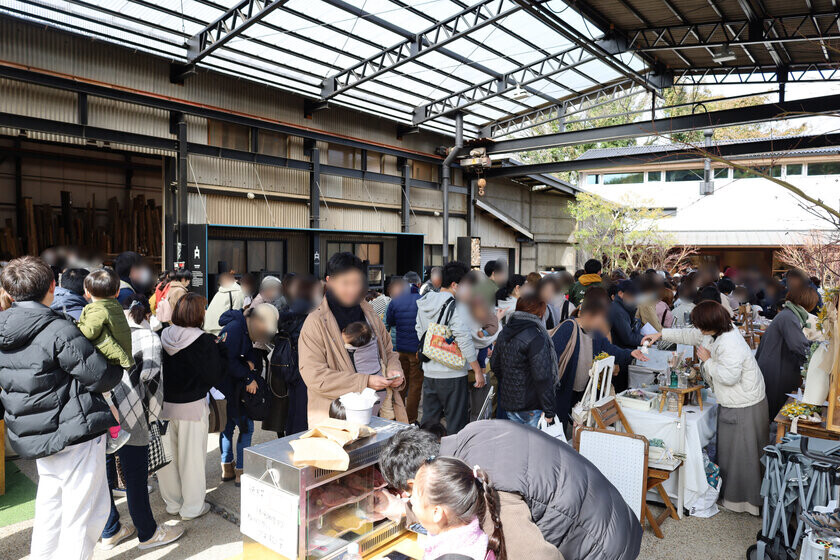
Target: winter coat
(139,396)
(600,343)
(227,298)
(68,302)
(192,364)
(402,315)
(428,311)
(731,371)
(326,367)
(525,363)
(52,381)
(126,290)
(575,507)
(288,404)
(103,322)
(583,283)
(625,329)
(238,351)
(780,356)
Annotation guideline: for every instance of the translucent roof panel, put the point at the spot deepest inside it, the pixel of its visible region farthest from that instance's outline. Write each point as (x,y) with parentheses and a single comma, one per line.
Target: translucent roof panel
(364,48)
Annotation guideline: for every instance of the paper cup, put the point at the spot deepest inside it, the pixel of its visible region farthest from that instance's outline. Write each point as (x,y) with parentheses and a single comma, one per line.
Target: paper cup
(360,416)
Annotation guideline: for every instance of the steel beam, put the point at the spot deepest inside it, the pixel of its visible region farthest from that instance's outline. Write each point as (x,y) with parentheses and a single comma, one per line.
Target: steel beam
(777,146)
(555,111)
(770,30)
(699,121)
(227,26)
(757,74)
(182,195)
(170,105)
(551,65)
(406,198)
(473,18)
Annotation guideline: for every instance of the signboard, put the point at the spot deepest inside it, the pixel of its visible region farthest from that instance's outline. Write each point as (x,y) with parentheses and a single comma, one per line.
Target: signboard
(194,249)
(270,516)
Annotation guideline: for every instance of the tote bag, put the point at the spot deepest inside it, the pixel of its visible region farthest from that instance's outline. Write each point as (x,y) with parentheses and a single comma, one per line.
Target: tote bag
(439,343)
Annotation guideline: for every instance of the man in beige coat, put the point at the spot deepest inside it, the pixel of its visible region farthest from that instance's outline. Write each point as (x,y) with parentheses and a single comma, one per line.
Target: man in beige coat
(324,363)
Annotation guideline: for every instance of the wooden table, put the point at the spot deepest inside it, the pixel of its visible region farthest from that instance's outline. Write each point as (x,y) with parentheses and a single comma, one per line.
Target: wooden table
(803,428)
(681,396)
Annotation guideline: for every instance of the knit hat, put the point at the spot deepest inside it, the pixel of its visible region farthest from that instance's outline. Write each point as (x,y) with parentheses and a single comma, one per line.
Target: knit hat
(269,281)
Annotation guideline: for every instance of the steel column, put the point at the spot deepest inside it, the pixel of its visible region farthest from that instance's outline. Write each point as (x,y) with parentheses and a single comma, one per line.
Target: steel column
(315,211)
(182,192)
(19,215)
(170,182)
(471,208)
(406,199)
(459,143)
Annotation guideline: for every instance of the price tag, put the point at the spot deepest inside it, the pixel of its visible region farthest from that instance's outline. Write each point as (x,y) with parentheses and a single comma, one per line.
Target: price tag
(270,516)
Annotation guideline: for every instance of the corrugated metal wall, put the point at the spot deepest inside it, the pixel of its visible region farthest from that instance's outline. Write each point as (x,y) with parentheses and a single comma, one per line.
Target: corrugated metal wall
(240,211)
(61,53)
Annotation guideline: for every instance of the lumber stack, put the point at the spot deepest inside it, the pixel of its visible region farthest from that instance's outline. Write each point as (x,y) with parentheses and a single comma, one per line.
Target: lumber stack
(135,227)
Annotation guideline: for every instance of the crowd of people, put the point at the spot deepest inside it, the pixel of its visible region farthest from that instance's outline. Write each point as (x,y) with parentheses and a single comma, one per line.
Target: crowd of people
(98,364)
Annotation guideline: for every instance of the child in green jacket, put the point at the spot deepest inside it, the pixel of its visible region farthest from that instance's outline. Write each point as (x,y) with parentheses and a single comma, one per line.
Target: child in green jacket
(104,324)
(102,320)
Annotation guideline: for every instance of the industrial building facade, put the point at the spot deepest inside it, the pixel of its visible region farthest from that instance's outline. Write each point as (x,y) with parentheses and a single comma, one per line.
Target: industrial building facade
(220,172)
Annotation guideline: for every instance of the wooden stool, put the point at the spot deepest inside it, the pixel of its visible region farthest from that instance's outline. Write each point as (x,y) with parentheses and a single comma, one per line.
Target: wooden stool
(656,478)
(681,396)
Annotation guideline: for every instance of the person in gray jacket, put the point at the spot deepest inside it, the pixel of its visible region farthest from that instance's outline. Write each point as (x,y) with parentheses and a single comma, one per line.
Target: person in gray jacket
(554,504)
(52,381)
(445,390)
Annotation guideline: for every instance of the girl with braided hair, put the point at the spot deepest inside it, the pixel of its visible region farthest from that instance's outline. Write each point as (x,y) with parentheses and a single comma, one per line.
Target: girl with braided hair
(450,499)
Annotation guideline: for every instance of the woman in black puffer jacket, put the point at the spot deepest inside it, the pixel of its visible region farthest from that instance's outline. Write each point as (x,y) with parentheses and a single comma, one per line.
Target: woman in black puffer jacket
(525,363)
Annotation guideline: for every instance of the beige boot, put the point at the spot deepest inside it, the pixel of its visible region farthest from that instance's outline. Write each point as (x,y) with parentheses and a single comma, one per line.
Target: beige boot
(227,472)
(238,476)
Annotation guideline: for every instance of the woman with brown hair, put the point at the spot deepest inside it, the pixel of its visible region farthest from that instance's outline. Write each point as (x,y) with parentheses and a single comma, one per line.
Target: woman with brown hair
(732,373)
(525,363)
(192,364)
(784,347)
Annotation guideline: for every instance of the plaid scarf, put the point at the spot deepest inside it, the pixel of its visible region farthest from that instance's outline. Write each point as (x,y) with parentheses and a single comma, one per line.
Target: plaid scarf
(139,396)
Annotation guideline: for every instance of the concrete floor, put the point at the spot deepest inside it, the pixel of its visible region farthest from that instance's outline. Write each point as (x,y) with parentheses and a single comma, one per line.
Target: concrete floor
(725,536)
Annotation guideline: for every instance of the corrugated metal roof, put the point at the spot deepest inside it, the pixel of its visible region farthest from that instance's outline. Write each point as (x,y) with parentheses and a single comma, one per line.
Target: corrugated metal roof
(774,238)
(666,148)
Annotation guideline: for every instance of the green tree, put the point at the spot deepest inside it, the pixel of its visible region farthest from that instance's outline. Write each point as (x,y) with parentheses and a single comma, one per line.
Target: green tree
(621,234)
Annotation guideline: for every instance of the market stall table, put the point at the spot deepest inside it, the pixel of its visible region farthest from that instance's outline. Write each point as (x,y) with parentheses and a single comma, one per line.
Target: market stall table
(687,434)
(803,428)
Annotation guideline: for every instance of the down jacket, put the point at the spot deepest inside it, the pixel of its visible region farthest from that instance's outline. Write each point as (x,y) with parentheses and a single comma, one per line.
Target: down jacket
(731,371)
(52,380)
(525,363)
(402,315)
(575,507)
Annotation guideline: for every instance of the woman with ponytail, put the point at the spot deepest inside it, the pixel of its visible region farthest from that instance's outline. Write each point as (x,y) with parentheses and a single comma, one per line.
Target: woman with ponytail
(450,499)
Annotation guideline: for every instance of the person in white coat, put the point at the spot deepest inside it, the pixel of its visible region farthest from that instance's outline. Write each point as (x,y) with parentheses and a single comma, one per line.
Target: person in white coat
(229,296)
(729,367)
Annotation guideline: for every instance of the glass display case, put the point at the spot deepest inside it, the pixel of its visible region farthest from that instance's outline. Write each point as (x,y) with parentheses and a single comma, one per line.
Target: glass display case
(304,512)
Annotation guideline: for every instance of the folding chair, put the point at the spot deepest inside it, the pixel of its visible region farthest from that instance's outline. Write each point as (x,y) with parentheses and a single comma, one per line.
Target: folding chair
(607,413)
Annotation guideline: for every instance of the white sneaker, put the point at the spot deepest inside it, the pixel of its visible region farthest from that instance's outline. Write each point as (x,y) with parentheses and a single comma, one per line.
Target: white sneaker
(125,532)
(204,509)
(113,444)
(163,536)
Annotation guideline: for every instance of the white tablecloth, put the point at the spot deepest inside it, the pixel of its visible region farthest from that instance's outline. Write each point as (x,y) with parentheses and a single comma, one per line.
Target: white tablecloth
(688,435)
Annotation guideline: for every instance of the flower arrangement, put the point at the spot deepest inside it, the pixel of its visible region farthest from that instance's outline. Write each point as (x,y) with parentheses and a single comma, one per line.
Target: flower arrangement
(795,409)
